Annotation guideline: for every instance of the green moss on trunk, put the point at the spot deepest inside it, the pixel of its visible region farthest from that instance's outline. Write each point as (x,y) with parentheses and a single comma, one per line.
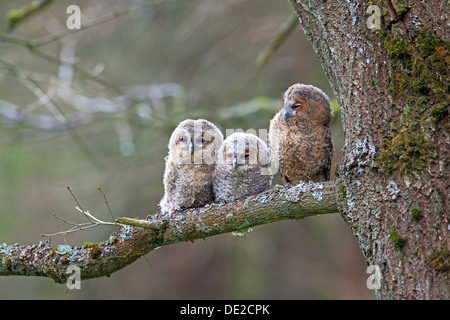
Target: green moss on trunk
(397,240)
(419,84)
(440,259)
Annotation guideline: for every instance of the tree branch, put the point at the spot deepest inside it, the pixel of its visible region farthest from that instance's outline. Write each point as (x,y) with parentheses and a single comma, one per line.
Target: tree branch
(139,237)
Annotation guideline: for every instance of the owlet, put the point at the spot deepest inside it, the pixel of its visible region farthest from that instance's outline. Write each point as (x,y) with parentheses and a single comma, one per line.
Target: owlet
(190,164)
(242,167)
(300,135)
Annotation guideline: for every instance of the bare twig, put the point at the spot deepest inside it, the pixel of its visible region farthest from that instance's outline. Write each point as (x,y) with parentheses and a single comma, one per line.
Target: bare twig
(106,201)
(93,221)
(75,226)
(76,200)
(96,220)
(59,227)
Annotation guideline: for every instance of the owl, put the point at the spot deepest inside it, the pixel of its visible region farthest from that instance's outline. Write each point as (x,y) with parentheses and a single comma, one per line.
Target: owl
(242,167)
(190,164)
(300,135)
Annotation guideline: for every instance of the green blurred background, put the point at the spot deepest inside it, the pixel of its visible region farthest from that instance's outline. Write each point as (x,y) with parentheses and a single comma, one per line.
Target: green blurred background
(106,122)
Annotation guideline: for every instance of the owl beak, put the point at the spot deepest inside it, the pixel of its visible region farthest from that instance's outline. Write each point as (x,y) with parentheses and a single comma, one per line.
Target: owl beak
(191,148)
(288,114)
(235,165)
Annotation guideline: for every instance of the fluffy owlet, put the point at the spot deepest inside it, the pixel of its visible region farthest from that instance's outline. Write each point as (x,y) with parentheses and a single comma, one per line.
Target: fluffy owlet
(242,167)
(300,135)
(190,164)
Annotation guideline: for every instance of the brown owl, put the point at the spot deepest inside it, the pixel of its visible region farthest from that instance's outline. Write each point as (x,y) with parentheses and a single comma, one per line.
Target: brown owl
(300,135)
(190,164)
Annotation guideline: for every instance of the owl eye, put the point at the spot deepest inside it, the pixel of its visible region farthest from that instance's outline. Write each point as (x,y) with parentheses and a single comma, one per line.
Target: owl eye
(297,106)
(247,155)
(182,139)
(300,108)
(202,140)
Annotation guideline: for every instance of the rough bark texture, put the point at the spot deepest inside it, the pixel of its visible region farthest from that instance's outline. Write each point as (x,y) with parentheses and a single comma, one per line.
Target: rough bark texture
(393,89)
(139,237)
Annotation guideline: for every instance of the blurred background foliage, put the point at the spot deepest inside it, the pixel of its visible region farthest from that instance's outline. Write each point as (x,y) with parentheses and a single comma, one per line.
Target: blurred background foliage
(96,108)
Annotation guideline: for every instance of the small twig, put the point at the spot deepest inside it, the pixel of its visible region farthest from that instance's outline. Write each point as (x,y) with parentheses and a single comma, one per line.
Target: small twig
(73,229)
(106,201)
(93,221)
(76,227)
(76,200)
(59,227)
(81,226)
(96,220)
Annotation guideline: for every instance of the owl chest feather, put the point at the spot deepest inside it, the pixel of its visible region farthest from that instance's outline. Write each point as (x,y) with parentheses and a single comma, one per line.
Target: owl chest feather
(230,184)
(192,184)
(304,151)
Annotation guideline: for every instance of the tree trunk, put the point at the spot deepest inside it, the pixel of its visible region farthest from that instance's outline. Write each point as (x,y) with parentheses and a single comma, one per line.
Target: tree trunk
(392,84)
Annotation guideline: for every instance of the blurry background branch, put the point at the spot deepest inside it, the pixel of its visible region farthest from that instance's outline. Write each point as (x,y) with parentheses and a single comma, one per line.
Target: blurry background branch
(19,15)
(285,30)
(130,243)
(69,63)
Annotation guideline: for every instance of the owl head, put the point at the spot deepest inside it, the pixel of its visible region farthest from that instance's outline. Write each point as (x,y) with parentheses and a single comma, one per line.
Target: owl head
(307,104)
(242,151)
(195,141)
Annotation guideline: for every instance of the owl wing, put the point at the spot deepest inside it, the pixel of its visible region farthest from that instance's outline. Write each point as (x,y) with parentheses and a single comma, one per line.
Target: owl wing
(324,156)
(171,177)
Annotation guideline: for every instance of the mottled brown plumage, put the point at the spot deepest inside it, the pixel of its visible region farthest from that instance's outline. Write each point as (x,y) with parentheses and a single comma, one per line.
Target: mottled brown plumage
(300,135)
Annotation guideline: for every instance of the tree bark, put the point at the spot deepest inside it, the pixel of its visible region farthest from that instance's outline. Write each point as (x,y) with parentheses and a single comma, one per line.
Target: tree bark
(392,85)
